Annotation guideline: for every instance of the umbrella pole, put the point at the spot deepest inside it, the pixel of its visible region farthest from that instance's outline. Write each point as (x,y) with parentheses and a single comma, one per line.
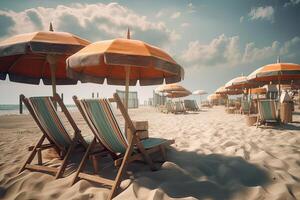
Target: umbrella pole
(127,74)
(52,63)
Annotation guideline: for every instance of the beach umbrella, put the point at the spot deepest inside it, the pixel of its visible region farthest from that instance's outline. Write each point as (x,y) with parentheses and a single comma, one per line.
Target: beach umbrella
(30,57)
(276,73)
(239,83)
(178,94)
(199,92)
(124,62)
(223,90)
(170,88)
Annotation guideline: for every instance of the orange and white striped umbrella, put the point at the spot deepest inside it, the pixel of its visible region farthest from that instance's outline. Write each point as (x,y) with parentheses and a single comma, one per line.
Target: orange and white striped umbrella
(239,82)
(277,72)
(170,88)
(24,58)
(222,90)
(178,94)
(108,60)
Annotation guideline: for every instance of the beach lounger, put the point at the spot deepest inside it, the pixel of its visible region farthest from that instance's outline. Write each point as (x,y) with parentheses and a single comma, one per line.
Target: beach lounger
(179,107)
(191,105)
(245,107)
(267,112)
(169,107)
(44,114)
(100,116)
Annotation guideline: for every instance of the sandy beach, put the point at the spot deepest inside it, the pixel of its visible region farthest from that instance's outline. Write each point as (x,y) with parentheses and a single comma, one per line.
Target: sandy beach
(215,156)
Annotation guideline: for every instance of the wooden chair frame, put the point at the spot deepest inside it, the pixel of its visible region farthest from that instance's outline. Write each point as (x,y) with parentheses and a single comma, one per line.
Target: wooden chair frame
(39,146)
(120,160)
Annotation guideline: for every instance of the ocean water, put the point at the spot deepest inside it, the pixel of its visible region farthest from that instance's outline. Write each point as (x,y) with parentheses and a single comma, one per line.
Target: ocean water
(13,109)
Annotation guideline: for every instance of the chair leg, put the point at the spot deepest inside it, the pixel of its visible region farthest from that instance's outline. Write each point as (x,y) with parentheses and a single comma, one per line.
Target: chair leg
(122,169)
(39,154)
(32,154)
(95,164)
(83,161)
(65,161)
(163,152)
(146,155)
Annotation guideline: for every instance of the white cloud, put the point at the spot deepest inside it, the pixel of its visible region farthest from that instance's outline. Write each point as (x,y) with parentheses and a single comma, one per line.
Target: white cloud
(86,20)
(253,53)
(220,50)
(185,24)
(241,19)
(262,13)
(225,51)
(291,3)
(175,15)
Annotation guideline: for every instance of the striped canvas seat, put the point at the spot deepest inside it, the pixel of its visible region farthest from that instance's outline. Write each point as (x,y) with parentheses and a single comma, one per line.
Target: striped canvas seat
(102,115)
(46,117)
(245,106)
(50,121)
(101,118)
(267,110)
(179,106)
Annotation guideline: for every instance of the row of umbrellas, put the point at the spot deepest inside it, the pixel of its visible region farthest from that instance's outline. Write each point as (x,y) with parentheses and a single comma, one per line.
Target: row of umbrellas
(61,58)
(277,73)
(176,91)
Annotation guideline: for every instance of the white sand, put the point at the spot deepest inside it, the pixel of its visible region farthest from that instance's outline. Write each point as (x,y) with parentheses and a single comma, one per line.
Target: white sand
(215,156)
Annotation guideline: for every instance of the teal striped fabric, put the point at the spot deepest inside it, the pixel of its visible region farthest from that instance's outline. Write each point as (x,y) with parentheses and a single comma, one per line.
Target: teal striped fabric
(103,116)
(152,142)
(267,110)
(104,125)
(245,105)
(50,121)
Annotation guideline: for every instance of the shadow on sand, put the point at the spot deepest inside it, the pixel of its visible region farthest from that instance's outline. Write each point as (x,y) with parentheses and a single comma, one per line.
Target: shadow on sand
(189,174)
(185,174)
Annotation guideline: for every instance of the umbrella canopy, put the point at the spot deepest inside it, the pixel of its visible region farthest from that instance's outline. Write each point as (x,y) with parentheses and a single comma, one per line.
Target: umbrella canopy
(199,92)
(26,58)
(239,82)
(108,60)
(212,97)
(170,88)
(223,90)
(178,94)
(277,72)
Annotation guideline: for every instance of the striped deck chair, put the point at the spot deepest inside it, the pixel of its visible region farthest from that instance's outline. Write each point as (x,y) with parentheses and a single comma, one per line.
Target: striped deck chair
(179,107)
(245,107)
(44,114)
(100,117)
(266,111)
(196,105)
(170,107)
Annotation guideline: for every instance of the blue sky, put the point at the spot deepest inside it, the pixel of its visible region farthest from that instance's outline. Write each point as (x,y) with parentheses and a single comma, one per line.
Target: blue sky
(214,41)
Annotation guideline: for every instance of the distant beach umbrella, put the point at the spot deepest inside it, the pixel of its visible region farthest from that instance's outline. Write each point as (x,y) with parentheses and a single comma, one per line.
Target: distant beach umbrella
(124,62)
(239,82)
(222,90)
(170,88)
(199,92)
(28,58)
(214,96)
(178,94)
(276,73)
